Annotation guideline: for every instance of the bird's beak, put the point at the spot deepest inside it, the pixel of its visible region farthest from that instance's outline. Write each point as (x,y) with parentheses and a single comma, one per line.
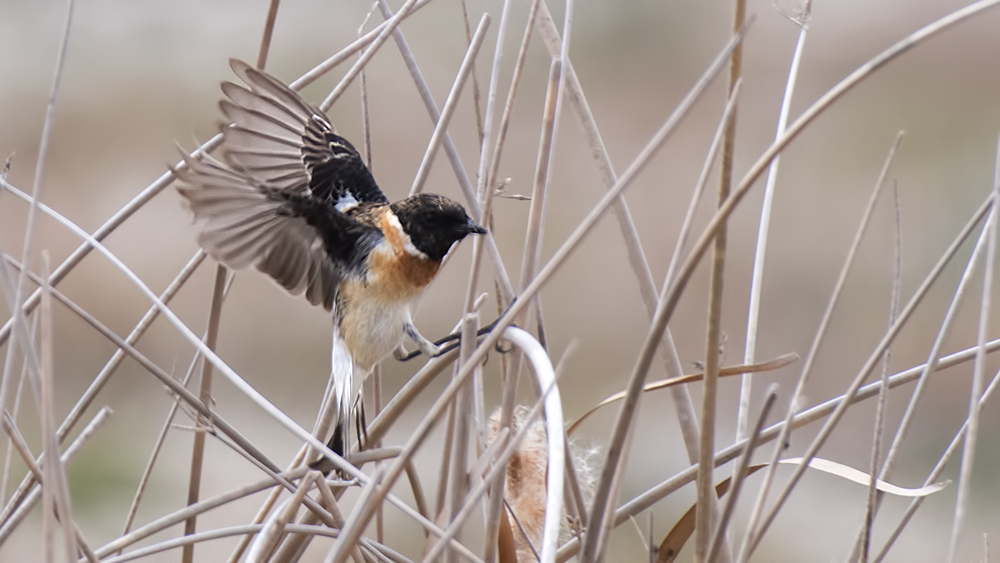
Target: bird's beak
(475,228)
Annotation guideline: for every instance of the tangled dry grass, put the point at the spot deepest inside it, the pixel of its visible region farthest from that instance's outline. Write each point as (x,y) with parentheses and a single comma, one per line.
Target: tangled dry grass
(518,485)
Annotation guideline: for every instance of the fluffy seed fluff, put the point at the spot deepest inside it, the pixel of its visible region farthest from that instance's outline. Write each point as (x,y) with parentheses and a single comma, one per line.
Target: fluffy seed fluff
(524,488)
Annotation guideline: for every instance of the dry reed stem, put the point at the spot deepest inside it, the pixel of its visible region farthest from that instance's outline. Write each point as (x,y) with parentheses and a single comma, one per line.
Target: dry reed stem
(539,190)
(978,370)
(757,277)
(598,521)
(931,364)
(883,396)
(862,375)
(475,208)
(817,341)
(808,416)
(475,80)
(686,417)
(55,500)
(198,444)
(354,527)
(249,529)
(699,188)
(266,541)
(486,120)
(27,252)
(370,50)
(549,398)
(707,499)
(168,424)
(936,471)
(14,412)
(487,182)
(508,108)
(265,40)
(463,418)
(740,474)
(449,106)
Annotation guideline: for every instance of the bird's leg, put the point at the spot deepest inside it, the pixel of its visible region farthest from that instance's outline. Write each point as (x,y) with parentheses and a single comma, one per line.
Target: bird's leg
(430,349)
(400,353)
(438,345)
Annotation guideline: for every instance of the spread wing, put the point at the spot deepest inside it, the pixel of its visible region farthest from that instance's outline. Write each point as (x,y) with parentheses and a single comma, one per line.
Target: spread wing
(279,139)
(302,242)
(279,201)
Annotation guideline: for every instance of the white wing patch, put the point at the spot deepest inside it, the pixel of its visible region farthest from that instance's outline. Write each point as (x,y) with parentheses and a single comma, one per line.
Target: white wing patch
(346,202)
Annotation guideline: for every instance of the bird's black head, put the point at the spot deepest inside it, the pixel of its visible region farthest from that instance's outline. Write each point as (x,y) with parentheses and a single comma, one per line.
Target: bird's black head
(434,223)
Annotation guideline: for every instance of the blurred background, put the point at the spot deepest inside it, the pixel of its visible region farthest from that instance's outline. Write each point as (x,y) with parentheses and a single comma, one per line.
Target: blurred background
(141,77)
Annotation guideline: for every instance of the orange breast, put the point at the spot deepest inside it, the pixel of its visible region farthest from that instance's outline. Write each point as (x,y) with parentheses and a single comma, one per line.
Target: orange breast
(378,306)
(394,272)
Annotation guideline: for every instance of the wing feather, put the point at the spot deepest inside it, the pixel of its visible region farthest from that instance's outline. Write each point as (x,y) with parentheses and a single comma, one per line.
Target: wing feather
(303,243)
(278,138)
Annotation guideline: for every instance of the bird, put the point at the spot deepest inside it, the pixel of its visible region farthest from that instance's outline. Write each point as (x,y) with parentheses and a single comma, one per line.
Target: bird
(295,200)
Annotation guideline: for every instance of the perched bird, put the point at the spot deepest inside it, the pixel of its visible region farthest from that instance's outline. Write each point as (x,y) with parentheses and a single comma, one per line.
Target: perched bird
(295,200)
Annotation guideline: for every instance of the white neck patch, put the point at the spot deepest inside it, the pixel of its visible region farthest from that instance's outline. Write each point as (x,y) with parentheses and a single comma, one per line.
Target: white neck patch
(408,246)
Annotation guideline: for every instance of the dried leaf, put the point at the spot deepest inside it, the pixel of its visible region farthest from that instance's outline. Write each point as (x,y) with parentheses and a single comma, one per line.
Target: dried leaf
(862,478)
(771,365)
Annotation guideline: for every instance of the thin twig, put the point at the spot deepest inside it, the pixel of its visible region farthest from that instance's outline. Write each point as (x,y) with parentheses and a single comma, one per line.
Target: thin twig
(599,521)
(818,339)
(536,212)
(757,279)
(154,454)
(475,81)
(939,467)
(198,444)
(449,106)
(383,34)
(741,472)
(68,456)
(463,412)
(30,230)
(862,545)
(684,406)
(808,416)
(705,517)
(883,397)
(508,108)
(932,358)
(486,130)
(978,370)
(862,375)
(265,40)
(475,208)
